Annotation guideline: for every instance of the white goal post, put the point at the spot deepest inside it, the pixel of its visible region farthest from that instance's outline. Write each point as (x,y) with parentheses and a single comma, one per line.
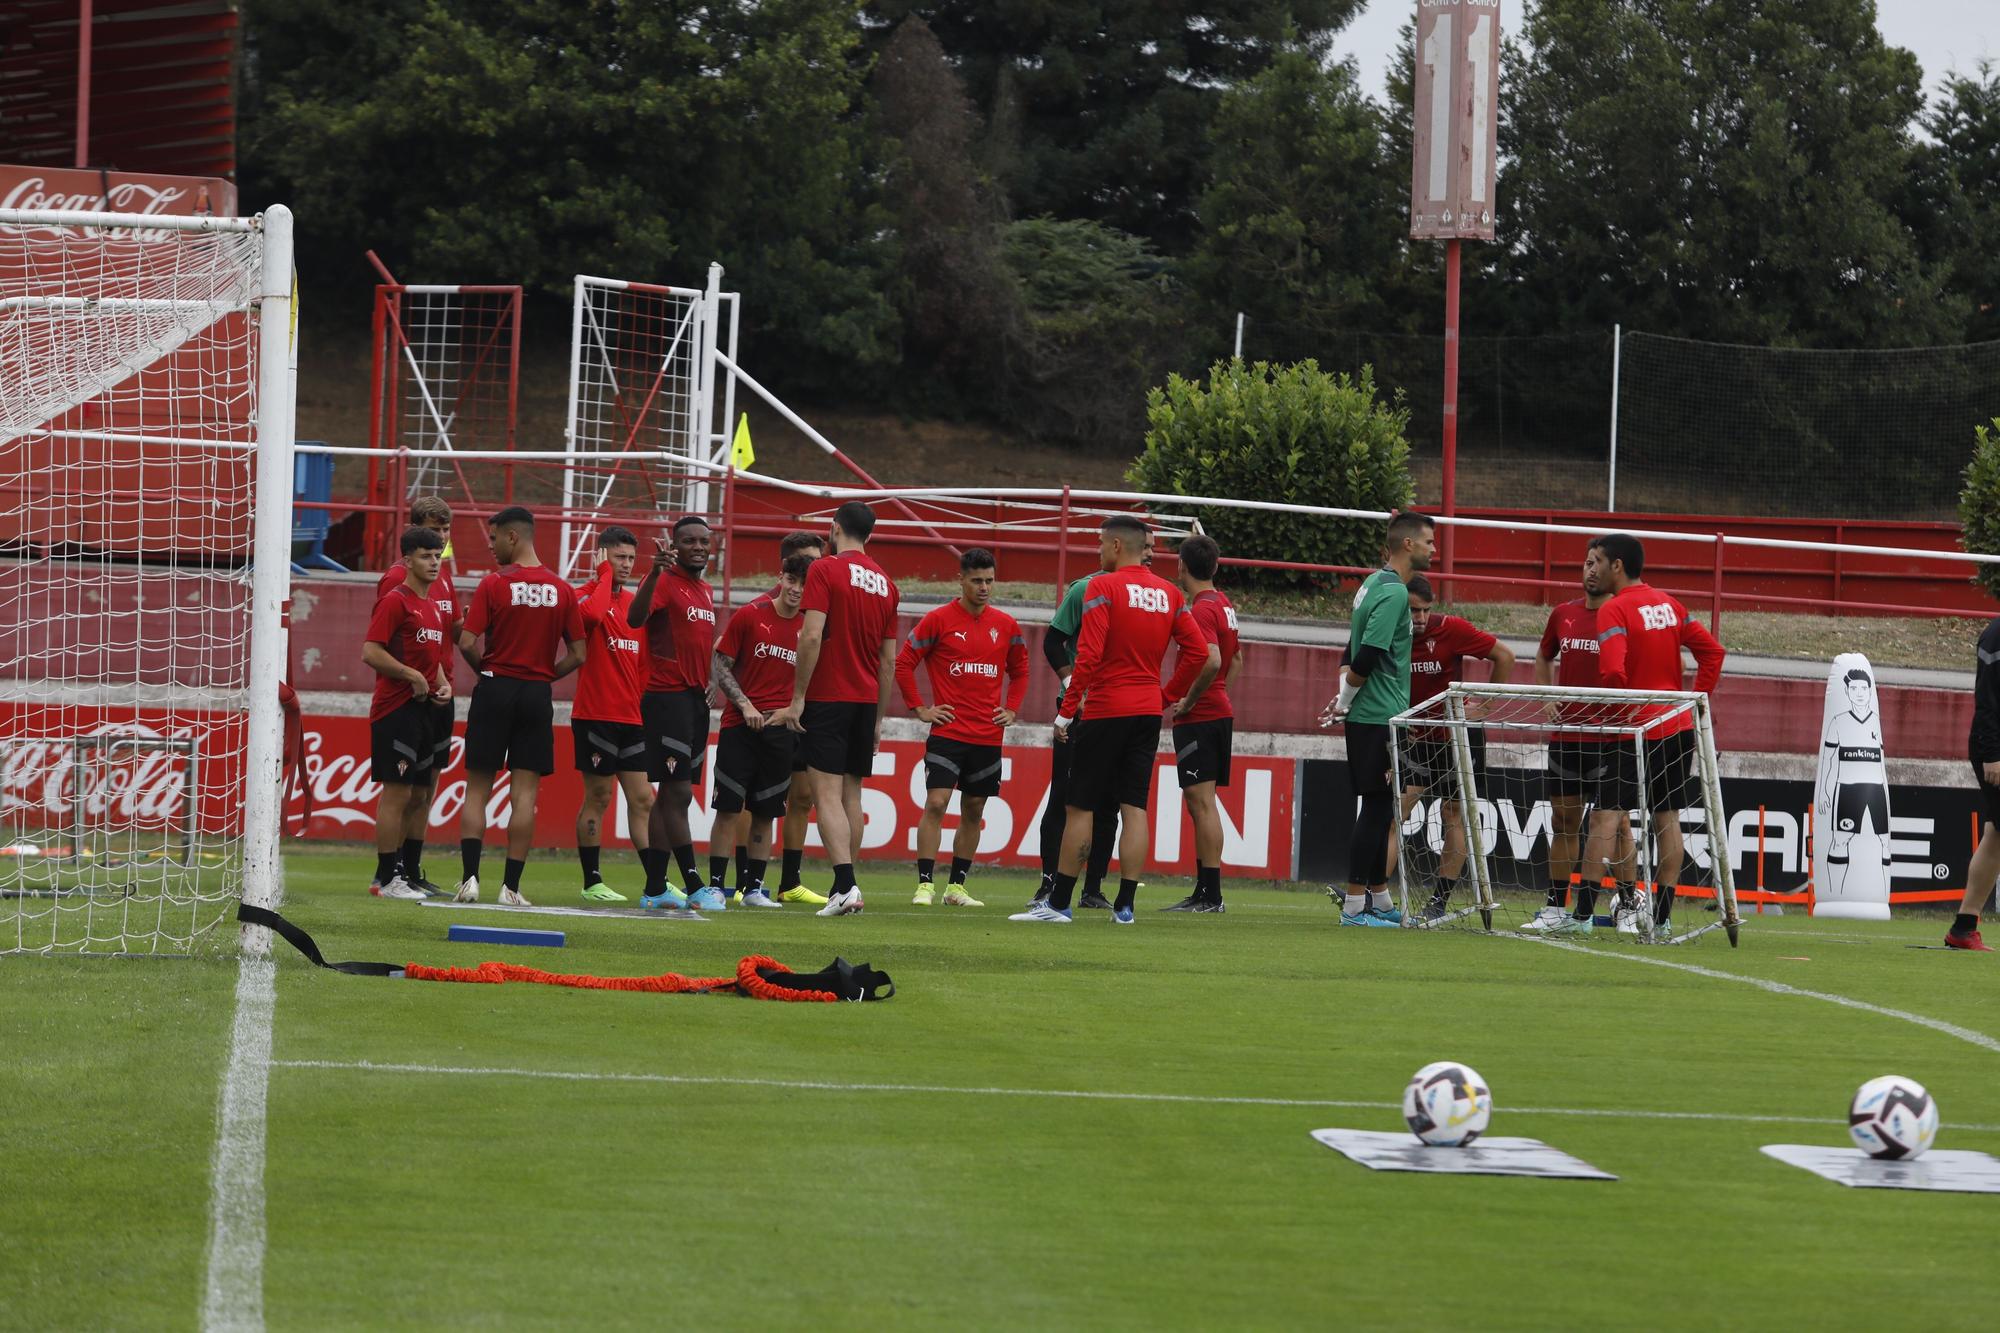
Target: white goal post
(1497,776)
(147,368)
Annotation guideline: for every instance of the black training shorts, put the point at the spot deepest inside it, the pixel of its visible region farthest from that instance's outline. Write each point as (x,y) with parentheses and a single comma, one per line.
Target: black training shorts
(1576,767)
(753,770)
(1112,760)
(510,724)
(605,748)
(840,738)
(1202,751)
(676,734)
(1368,757)
(1670,780)
(973,769)
(1429,764)
(400,748)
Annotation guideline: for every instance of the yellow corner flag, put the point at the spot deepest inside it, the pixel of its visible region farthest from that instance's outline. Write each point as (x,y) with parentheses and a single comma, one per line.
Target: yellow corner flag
(741,455)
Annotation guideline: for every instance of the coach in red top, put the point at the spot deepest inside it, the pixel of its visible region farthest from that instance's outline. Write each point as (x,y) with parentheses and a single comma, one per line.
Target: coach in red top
(847,662)
(968,644)
(1640,634)
(676,607)
(1130,614)
(524,613)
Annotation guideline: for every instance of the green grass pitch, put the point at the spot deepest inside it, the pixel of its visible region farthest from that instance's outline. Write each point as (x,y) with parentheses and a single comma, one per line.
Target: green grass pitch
(1074,1127)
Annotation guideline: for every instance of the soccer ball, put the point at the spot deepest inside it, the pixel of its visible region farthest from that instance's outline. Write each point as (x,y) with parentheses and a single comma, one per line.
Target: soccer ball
(1893,1117)
(1447,1104)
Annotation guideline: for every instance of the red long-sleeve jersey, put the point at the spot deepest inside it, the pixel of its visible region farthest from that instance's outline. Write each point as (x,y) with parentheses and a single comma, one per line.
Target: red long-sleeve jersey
(967,654)
(1640,634)
(1129,616)
(613,674)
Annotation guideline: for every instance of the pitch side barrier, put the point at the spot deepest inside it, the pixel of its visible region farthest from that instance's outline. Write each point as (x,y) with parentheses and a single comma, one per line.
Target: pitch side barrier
(945,508)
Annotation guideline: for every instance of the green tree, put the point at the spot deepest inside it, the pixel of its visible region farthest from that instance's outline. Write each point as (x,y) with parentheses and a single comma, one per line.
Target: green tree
(1293,434)
(1101,111)
(1724,169)
(1305,216)
(528,140)
(1955,196)
(1979,504)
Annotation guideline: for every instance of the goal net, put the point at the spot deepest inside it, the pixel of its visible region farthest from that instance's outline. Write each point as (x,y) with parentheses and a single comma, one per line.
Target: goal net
(1527,807)
(145,478)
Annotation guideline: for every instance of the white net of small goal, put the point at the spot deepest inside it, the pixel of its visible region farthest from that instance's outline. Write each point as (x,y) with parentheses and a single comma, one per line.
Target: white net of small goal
(1559,811)
(128,408)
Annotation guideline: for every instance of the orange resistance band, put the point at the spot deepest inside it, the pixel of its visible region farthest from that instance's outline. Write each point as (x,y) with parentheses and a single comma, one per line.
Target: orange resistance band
(745,982)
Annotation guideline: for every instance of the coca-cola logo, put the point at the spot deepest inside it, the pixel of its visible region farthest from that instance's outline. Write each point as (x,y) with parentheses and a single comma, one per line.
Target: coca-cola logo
(51,780)
(146,198)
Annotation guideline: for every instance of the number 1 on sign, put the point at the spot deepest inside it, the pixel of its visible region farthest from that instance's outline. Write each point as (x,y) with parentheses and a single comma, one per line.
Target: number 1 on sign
(1437,56)
(1479,55)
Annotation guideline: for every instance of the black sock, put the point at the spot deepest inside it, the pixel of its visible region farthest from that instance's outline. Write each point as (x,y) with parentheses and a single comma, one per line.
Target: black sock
(1128,892)
(843,877)
(960,867)
(788,878)
(1965,923)
(1064,889)
(1208,883)
(512,878)
(1445,888)
(1559,895)
(753,876)
(385,867)
(684,858)
(1623,898)
(742,863)
(718,870)
(655,862)
(1663,905)
(592,859)
(413,859)
(468,856)
(1586,902)
(926,869)
(1048,885)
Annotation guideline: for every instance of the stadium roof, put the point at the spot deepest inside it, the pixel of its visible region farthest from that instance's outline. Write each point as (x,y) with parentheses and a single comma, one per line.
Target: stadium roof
(161,85)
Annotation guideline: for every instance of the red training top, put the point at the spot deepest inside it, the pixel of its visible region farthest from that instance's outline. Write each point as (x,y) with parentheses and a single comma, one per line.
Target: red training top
(442,592)
(411,629)
(1215,616)
(614,664)
(1129,615)
(859,602)
(1438,657)
(766,598)
(680,631)
(1570,641)
(1640,634)
(763,651)
(526,614)
(966,653)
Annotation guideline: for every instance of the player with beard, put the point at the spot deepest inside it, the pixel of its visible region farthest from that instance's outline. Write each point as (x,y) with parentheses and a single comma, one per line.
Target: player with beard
(1374,687)
(676,608)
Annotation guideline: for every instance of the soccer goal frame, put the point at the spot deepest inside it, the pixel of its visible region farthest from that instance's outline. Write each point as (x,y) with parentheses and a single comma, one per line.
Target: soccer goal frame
(1521,710)
(72,277)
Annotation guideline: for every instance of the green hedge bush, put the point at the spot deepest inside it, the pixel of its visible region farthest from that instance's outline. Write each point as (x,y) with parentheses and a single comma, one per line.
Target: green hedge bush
(1293,434)
(1979,504)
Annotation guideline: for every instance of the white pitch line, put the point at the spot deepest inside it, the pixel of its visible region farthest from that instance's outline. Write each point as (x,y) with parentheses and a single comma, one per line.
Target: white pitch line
(1074,1094)
(234,1297)
(1979,1039)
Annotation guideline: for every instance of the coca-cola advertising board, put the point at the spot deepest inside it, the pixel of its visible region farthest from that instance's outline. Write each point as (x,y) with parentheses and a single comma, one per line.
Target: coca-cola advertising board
(1256,806)
(70,190)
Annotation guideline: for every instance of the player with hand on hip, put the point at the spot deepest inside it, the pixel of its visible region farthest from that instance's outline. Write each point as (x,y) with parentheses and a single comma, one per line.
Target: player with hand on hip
(966,645)
(1640,634)
(1374,687)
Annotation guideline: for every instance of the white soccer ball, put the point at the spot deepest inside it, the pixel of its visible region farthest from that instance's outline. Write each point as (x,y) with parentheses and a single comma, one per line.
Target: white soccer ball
(1892,1118)
(1447,1104)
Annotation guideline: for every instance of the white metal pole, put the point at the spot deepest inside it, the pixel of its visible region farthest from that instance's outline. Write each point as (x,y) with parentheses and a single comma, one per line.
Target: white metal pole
(578,310)
(1617,354)
(270,578)
(1239,335)
(704,397)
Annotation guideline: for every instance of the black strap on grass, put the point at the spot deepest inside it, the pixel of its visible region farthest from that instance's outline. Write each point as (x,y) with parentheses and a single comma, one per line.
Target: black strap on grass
(305,944)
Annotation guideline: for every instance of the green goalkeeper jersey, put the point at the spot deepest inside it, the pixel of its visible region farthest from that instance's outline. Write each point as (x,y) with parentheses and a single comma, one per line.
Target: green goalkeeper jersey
(1069,619)
(1382,618)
